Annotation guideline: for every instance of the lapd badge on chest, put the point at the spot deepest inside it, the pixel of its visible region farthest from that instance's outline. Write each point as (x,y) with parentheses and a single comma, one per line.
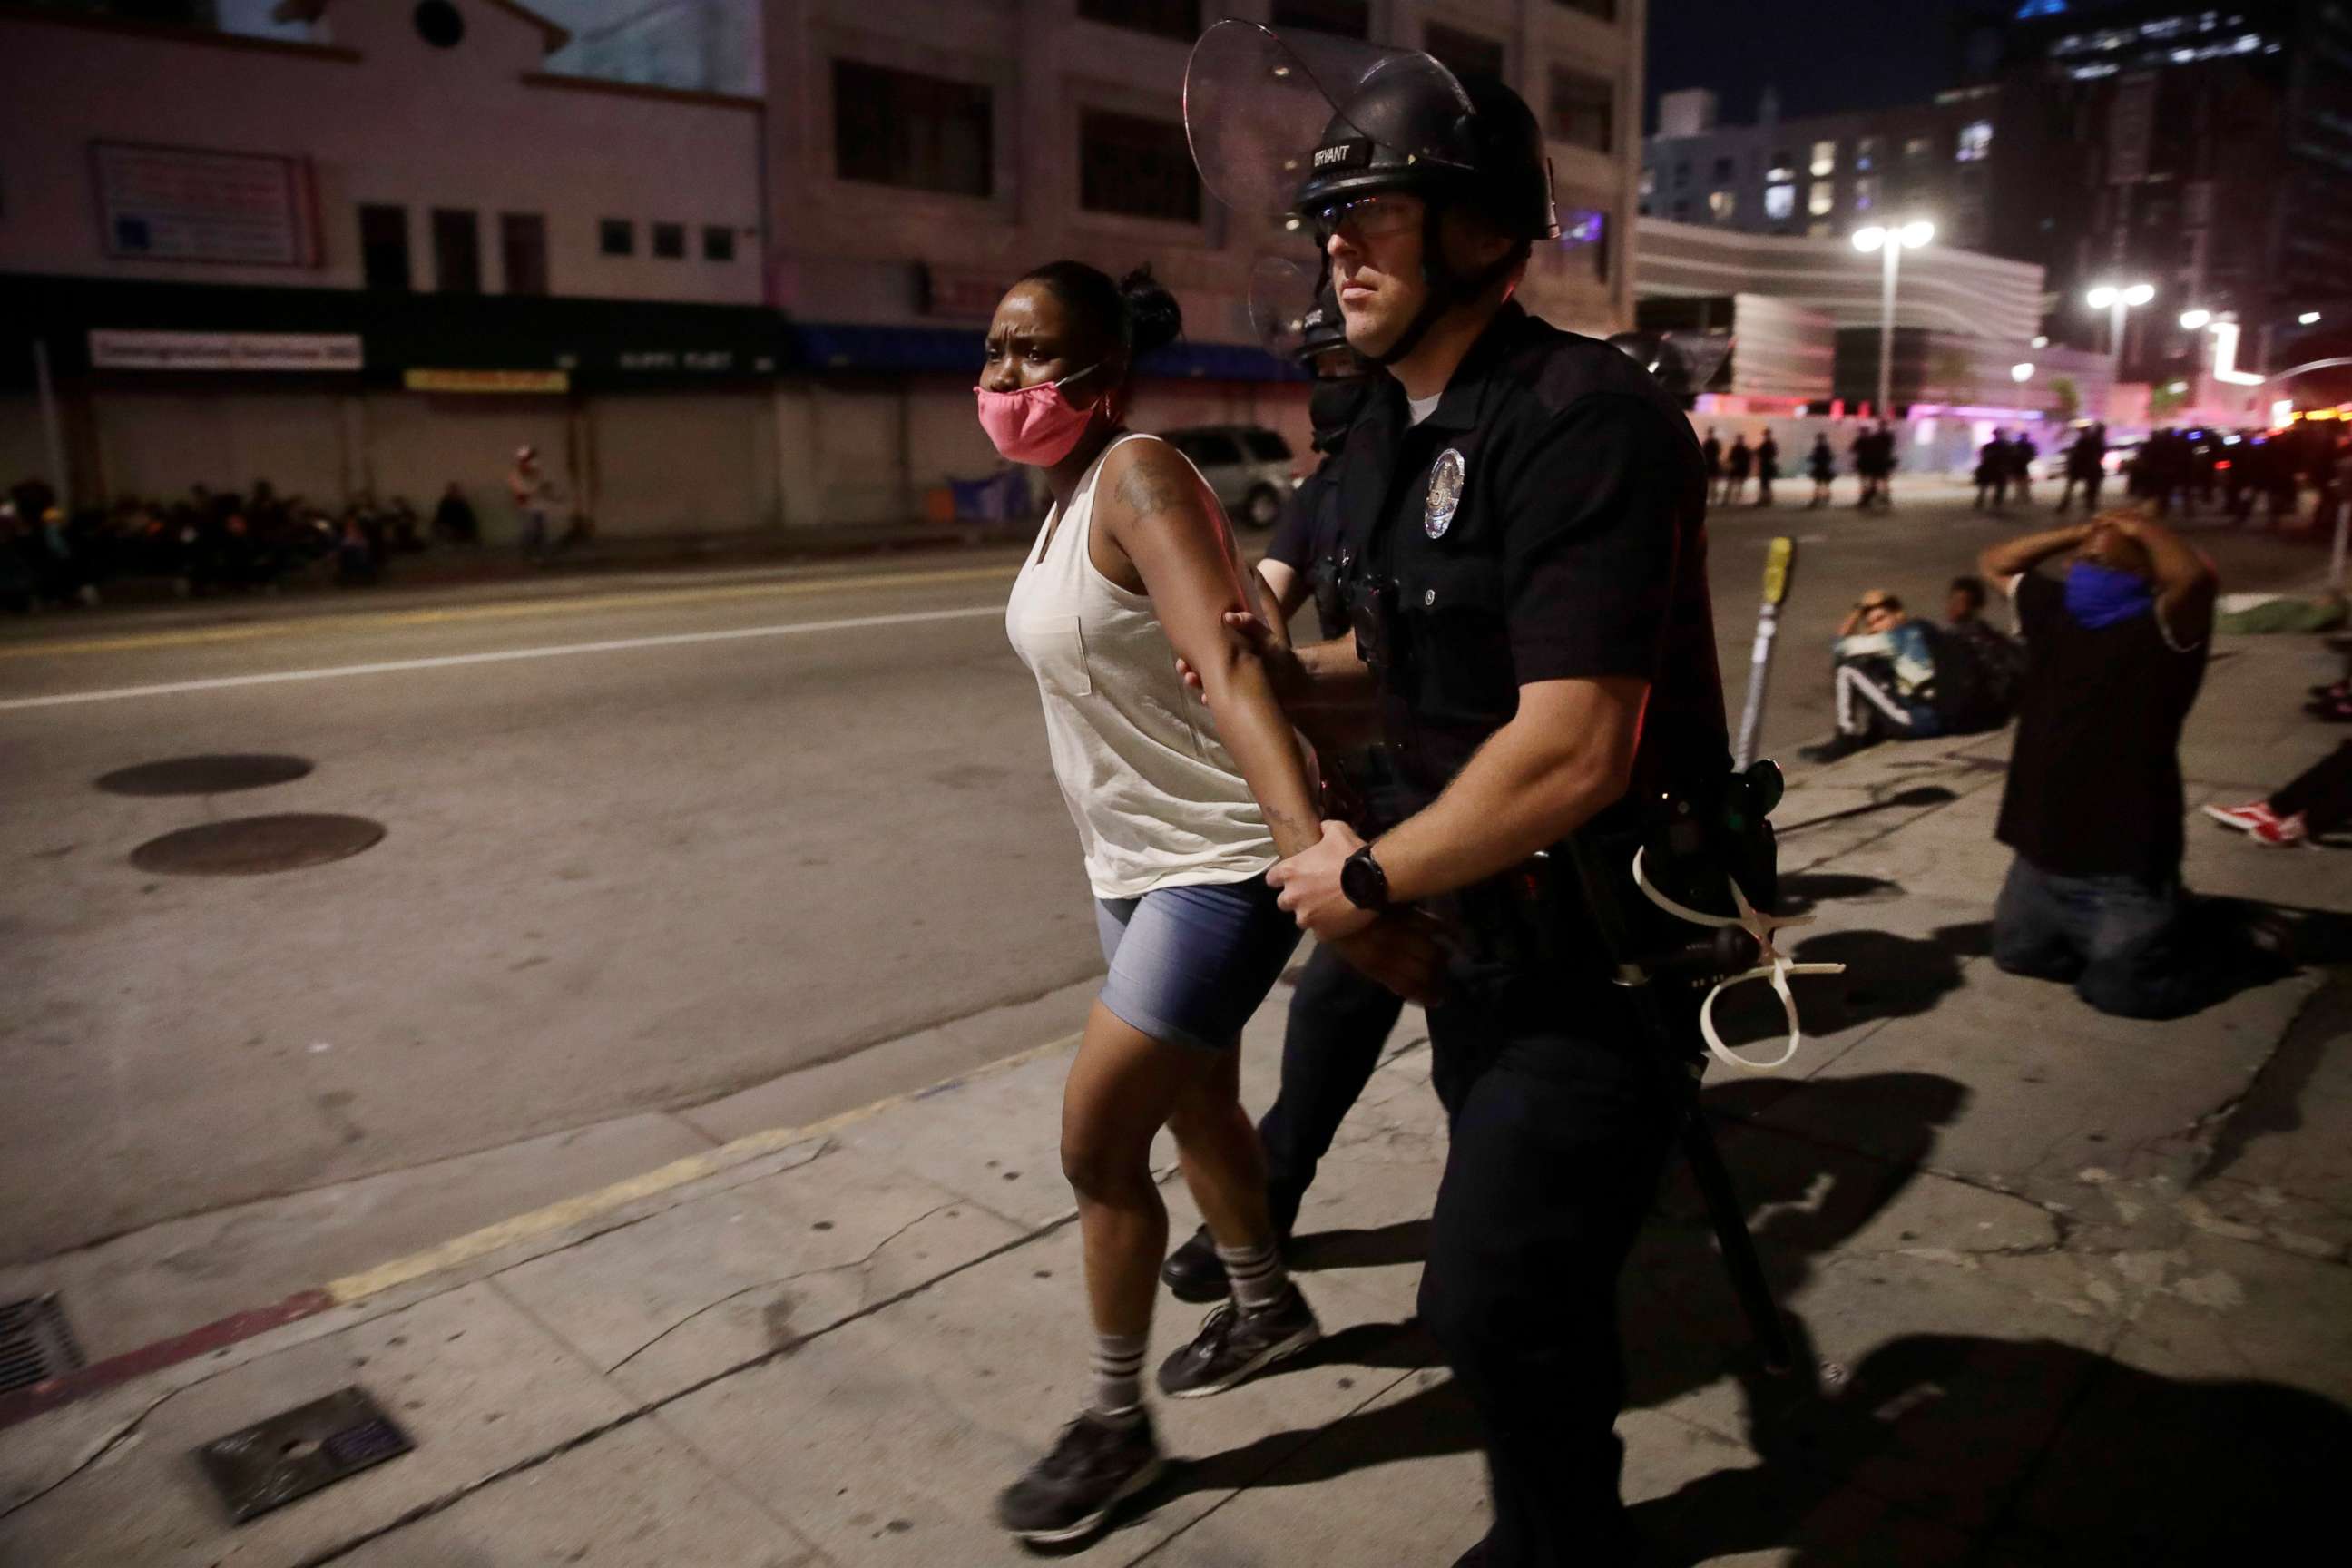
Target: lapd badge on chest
(1445,493)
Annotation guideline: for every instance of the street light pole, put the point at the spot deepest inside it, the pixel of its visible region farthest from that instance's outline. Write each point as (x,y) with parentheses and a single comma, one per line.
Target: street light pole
(1894,248)
(1891,239)
(2118,298)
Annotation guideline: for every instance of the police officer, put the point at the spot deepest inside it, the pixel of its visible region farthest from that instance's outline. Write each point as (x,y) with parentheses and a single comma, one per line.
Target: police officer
(1340,1017)
(1522,514)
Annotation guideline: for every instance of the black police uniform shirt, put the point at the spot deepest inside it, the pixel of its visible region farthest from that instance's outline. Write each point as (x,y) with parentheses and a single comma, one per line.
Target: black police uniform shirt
(2094,776)
(1567,540)
(1306,540)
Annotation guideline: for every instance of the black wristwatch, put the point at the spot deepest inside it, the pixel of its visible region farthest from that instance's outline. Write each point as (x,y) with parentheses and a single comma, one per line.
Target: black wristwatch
(1363,881)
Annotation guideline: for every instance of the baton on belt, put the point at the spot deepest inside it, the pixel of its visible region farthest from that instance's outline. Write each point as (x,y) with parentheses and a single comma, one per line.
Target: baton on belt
(1779,564)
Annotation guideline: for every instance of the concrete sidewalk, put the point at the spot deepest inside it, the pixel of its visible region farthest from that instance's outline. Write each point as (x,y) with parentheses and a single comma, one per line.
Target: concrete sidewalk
(2070,1290)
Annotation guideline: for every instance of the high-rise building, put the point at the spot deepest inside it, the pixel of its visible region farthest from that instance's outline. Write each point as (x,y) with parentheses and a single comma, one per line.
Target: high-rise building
(2205,149)
(1830,173)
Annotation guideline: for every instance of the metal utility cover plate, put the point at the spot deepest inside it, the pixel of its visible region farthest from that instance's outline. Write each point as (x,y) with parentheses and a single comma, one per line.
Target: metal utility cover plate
(253,845)
(296,1452)
(208,775)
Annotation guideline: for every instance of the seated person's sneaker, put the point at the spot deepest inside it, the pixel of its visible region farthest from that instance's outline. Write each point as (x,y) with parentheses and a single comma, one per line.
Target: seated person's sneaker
(1098,1463)
(1235,1346)
(2246,818)
(2282,832)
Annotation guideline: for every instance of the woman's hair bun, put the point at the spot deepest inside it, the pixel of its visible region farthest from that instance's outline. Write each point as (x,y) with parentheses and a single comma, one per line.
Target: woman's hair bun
(1154,319)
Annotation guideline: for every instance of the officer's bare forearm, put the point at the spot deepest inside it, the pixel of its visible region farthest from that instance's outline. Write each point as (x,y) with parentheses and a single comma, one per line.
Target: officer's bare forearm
(2015,557)
(1565,758)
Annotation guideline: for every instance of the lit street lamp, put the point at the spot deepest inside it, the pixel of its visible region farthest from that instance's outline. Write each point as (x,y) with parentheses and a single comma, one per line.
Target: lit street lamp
(2020,373)
(1894,241)
(2308,319)
(2191,321)
(2119,298)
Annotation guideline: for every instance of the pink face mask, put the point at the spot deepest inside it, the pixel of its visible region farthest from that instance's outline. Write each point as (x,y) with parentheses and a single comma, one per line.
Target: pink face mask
(1037,424)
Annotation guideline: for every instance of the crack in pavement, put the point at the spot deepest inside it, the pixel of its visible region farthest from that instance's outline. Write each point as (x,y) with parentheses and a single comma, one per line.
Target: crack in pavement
(875,1251)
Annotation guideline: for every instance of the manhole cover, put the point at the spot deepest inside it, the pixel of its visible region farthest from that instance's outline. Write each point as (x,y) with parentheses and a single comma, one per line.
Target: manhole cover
(251,845)
(297,1452)
(204,775)
(36,1345)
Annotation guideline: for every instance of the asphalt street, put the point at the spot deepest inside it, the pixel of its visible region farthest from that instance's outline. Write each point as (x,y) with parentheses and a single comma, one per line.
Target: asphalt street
(646,844)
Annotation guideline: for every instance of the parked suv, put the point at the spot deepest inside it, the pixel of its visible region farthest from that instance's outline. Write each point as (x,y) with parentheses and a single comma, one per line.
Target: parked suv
(1247,465)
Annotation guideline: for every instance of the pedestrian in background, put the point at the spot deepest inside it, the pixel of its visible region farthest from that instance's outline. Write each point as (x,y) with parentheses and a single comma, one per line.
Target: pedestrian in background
(2093,806)
(1742,457)
(1822,465)
(1712,451)
(1993,475)
(530,489)
(1768,467)
(2021,453)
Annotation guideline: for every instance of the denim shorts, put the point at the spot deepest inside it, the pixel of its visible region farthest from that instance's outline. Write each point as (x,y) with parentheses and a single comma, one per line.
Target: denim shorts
(1190,965)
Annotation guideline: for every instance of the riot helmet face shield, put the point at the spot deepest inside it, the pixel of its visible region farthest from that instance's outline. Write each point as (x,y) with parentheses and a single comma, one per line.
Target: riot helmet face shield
(1352,145)
(1279,120)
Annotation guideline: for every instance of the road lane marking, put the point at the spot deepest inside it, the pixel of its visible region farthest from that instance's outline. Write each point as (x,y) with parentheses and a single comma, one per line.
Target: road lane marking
(456,614)
(500,656)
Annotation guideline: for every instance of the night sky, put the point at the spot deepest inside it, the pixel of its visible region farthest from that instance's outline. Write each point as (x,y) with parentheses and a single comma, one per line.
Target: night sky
(1823,55)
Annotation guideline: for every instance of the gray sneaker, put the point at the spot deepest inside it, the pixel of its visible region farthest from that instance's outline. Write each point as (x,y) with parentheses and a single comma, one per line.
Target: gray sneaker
(1235,1346)
(1096,1465)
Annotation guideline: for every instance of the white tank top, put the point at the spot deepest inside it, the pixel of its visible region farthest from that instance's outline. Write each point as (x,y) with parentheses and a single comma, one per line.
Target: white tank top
(1158,800)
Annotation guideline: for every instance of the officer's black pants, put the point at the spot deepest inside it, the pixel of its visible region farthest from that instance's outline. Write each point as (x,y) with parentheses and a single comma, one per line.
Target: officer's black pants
(1339,1020)
(1559,1132)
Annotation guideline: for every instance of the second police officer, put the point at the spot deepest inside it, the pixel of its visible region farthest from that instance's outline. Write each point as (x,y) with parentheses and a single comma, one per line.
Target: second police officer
(1522,512)
(1340,1017)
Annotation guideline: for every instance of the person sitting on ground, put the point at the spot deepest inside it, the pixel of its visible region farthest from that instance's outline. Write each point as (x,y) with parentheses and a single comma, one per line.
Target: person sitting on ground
(1885,676)
(2316,801)
(1977,667)
(2093,808)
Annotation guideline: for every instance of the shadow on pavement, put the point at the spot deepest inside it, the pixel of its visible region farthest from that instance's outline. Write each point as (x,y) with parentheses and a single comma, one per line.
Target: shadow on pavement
(1804,891)
(1407,1241)
(1915,796)
(1949,1448)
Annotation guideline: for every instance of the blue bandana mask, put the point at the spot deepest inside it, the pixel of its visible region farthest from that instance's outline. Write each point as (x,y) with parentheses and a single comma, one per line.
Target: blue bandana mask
(2100,595)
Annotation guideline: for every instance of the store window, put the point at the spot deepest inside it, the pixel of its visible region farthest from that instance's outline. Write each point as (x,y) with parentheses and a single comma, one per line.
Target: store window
(383,248)
(1169,18)
(616,236)
(456,251)
(669,241)
(1823,199)
(916,132)
(1824,159)
(1462,52)
(1866,192)
(1137,167)
(1779,201)
(718,243)
(1583,108)
(1975,142)
(1722,206)
(1347,18)
(523,250)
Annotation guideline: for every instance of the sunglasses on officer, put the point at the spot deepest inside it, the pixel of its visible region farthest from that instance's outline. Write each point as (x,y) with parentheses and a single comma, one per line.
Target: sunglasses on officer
(1366,217)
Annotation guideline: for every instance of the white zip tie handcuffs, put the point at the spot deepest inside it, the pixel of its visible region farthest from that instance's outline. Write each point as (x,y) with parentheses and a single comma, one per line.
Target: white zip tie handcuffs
(1775,966)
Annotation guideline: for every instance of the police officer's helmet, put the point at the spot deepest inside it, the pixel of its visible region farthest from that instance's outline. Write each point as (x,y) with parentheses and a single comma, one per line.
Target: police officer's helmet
(1322,328)
(1416,127)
